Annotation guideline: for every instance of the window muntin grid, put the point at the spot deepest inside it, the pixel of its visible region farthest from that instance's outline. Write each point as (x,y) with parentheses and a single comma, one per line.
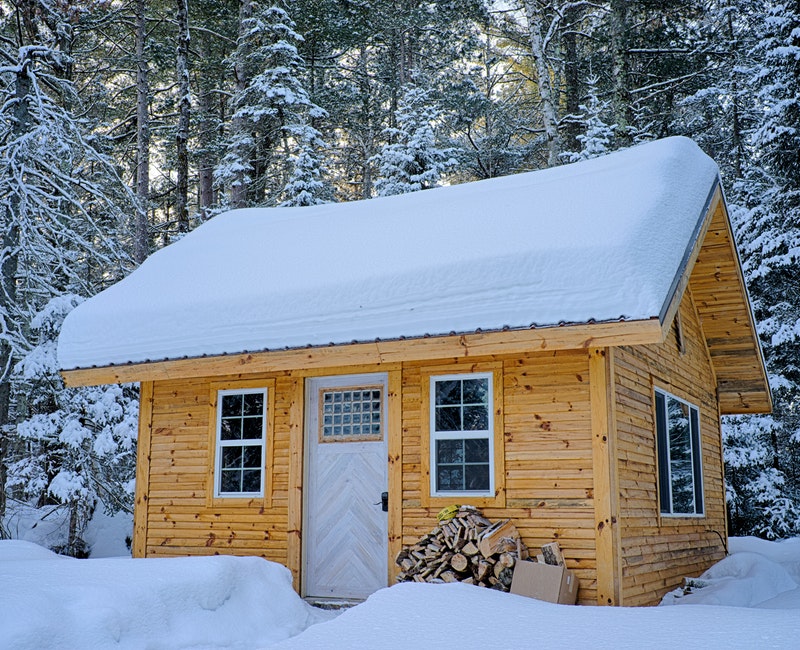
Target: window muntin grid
(462,435)
(241,442)
(351,414)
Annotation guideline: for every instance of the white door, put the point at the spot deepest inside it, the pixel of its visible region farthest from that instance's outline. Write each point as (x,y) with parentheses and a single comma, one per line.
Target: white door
(345,526)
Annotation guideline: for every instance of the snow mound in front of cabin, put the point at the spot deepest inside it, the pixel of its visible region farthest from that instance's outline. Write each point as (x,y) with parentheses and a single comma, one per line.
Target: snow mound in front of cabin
(758,573)
(417,615)
(48,601)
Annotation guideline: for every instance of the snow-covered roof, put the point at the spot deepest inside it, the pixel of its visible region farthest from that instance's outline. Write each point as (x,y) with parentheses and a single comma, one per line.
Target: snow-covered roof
(599,240)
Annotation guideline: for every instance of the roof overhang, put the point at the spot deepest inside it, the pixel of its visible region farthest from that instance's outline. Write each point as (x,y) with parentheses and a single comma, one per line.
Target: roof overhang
(454,346)
(713,274)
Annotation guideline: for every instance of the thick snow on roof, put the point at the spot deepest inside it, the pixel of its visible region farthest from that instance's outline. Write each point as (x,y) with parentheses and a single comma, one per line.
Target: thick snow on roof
(601,239)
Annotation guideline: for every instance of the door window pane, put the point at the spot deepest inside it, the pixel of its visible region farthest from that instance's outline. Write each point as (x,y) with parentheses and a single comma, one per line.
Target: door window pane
(350,414)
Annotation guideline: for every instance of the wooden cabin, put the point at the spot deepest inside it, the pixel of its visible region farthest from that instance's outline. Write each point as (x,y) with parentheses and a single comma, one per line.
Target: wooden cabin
(556,347)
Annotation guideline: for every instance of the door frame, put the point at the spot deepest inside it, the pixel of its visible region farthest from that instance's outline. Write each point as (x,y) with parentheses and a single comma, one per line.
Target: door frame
(390,405)
(295,543)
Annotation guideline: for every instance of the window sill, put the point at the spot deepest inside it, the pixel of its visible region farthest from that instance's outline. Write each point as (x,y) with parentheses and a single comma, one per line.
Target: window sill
(465,499)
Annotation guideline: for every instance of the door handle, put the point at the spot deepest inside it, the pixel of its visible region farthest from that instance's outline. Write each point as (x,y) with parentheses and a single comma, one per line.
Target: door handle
(384,502)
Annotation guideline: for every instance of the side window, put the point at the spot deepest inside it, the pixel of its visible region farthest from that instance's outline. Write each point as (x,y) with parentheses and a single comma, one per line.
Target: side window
(680,473)
(241,442)
(462,435)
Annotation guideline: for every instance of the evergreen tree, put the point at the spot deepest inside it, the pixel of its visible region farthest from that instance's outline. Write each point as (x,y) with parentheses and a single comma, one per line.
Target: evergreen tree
(413,161)
(488,115)
(306,185)
(598,137)
(79,443)
(63,207)
(269,108)
(767,492)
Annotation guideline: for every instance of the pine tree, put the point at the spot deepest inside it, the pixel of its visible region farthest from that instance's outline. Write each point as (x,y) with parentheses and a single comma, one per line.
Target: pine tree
(306,185)
(766,201)
(80,443)
(487,114)
(269,108)
(598,136)
(63,207)
(413,161)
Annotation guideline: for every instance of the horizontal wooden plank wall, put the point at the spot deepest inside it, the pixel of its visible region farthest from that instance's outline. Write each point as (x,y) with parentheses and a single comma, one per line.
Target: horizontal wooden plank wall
(181,518)
(548,456)
(657,552)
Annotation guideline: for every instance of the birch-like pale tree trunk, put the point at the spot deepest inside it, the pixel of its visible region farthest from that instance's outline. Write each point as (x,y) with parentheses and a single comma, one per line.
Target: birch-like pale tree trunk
(536,31)
(184,108)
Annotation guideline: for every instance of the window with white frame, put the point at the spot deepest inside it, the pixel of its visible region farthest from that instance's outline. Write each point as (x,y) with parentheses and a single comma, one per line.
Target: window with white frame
(680,472)
(241,442)
(462,435)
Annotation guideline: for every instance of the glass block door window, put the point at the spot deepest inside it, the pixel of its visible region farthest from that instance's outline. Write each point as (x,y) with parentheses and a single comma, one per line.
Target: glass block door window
(462,435)
(351,414)
(241,442)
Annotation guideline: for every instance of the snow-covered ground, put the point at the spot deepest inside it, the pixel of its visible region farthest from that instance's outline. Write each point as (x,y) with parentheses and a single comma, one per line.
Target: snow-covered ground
(748,600)
(49,601)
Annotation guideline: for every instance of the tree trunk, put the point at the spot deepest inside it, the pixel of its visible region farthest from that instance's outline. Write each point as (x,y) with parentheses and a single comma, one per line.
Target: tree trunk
(210,113)
(737,140)
(621,98)
(368,137)
(549,110)
(240,187)
(9,262)
(141,243)
(572,90)
(184,108)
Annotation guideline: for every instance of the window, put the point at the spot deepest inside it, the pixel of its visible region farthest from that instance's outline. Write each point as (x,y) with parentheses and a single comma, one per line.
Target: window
(462,435)
(241,442)
(350,414)
(680,476)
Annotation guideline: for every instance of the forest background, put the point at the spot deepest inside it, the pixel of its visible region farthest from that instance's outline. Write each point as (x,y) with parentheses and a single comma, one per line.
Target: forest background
(125,124)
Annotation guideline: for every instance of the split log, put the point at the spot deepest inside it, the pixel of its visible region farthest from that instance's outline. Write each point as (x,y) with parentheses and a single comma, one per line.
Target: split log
(492,538)
(552,554)
(470,549)
(459,562)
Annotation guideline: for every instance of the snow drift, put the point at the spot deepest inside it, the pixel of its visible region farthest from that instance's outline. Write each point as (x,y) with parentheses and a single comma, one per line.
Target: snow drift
(49,601)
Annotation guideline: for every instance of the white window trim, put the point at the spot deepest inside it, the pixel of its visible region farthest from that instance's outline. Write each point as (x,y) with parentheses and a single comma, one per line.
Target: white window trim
(668,451)
(221,444)
(461,435)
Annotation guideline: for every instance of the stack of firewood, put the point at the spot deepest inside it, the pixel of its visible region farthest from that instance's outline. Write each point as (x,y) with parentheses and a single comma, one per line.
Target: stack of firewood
(466,548)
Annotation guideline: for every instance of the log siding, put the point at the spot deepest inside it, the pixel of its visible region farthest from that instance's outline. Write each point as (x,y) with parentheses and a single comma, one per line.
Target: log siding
(548,419)
(657,550)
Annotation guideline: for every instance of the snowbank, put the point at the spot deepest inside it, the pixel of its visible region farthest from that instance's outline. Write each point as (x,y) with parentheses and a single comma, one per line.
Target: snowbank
(743,597)
(48,601)
(411,615)
(758,573)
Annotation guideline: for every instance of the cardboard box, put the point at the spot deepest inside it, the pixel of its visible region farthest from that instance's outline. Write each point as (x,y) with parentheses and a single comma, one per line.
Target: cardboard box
(555,584)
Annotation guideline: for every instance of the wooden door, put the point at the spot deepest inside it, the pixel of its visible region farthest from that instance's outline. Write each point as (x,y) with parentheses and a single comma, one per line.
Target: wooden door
(345,526)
